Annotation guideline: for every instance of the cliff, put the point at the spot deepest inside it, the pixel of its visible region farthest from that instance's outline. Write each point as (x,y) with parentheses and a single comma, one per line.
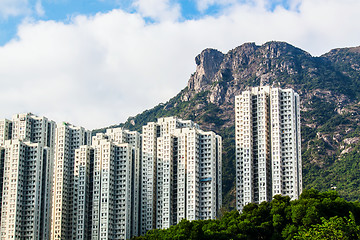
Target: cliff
(329,89)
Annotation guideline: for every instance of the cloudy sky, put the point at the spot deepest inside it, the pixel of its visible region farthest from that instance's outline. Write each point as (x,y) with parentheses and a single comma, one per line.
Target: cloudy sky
(94,63)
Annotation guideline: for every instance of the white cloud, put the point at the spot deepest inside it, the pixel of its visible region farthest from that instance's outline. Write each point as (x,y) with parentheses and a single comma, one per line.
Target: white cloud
(16,8)
(159,10)
(205,4)
(39,8)
(9,8)
(96,71)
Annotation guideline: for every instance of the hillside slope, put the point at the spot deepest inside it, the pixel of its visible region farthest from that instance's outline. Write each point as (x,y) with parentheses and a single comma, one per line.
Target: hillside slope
(329,89)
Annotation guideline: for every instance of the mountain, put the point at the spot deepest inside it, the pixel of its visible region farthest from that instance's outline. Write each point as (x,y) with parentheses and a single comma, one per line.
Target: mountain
(329,90)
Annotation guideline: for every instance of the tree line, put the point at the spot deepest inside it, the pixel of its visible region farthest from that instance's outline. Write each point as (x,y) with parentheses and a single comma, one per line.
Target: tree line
(315,215)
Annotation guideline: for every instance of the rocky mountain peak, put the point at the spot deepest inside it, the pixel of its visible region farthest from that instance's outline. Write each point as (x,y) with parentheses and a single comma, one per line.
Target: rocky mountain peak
(348,58)
(245,49)
(336,51)
(355,49)
(216,71)
(275,49)
(330,106)
(207,65)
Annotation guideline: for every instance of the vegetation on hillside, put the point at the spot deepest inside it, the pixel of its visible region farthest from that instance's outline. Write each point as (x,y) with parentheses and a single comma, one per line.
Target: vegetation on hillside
(314,216)
(329,88)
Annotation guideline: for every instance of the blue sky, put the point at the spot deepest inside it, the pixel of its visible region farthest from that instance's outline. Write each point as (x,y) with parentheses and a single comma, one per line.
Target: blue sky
(57,10)
(63,10)
(95,63)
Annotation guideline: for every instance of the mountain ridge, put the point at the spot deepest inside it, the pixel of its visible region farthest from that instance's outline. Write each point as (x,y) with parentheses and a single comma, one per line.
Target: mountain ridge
(328,86)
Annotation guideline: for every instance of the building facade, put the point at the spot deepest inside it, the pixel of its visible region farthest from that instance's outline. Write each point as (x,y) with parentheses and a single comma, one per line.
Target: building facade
(5,130)
(26,160)
(83,192)
(111,214)
(133,138)
(59,182)
(106,201)
(68,139)
(268,145)
(2,162)
(180,173)
(24,195)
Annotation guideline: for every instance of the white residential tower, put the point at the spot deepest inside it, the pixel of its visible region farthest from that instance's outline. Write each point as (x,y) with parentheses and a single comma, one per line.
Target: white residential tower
(268,145)
(26,165)
(180,173)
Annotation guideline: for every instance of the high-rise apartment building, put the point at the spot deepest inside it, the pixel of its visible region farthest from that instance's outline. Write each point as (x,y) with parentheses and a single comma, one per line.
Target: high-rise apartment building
(26,159)
(83,192)
(180,173)
(30,127)
(106,201)
(5,134)
(268,145)
(121,135)
(112,178)
(5,130)
(24,195)
(56,184)
(68,139)
(2,162)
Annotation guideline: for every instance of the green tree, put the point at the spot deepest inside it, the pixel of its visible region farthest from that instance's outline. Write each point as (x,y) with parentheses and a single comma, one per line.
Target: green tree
(335,228)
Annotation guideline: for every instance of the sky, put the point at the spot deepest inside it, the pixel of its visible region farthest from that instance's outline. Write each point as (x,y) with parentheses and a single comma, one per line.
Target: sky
(95,63)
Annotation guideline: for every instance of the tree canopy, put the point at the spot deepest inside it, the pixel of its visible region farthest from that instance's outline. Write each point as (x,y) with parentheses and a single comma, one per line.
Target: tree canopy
(314,215)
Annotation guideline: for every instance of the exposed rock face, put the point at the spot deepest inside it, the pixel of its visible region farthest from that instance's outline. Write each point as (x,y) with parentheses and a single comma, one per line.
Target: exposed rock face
(329,88)
(207,65)
(223,76)
(226,75)
(348,56)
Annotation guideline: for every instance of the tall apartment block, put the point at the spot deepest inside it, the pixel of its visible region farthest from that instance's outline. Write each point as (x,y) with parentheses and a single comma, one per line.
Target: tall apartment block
(133,138)
(2,162)
(106,186)
(83,192)
(5,130)
(26,159)
(268,145)
(5,134)
(111,215)
(59,182)
(180,173)
(68,139)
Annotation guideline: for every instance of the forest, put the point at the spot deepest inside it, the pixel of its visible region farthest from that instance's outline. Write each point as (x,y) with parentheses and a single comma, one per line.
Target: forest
(315,215)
